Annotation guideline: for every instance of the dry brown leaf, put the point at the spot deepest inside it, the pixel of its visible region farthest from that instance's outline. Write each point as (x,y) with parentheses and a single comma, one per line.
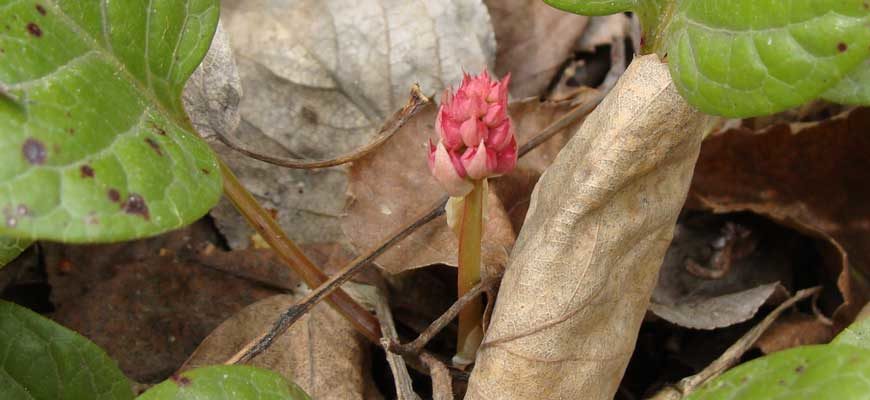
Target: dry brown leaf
(534,40)
(794,330)
(321,352)
(320,77)
(757,260)
(151,314)
(584,266)
(393,186)
(814,180)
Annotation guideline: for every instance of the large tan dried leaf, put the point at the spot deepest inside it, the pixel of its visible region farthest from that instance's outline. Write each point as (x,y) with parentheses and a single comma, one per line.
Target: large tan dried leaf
(810,177)
(581,273)
(320,77)
(393,186)
(534,40)
(321,352)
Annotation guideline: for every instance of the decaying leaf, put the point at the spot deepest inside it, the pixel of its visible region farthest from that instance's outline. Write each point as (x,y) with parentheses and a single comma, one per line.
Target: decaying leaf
(211,95)
(150,315)
(393,186)
(719,270)
(534,40)
(794,330)
(812,179)
(581,274)
(320,77)
(321,352)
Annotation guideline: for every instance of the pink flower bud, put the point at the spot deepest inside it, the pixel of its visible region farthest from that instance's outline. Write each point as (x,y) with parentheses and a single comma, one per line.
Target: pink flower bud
(477,137)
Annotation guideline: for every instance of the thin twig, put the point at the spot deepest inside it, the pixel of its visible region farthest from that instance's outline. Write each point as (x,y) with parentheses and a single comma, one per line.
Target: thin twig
(417,345)
(730,357)
(334,283)
(401,378)
(442,382)
(416,103)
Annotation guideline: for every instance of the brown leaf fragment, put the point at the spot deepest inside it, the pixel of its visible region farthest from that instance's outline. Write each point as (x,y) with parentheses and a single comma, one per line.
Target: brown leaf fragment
(321,352)
(754,257)
(151,314)
(812,177)
(580,276)
(521,28)
(794,330)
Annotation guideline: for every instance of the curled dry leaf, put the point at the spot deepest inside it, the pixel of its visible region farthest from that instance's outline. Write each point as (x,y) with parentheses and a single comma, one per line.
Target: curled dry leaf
(321,352)
(320,77)
(720,270)
(585,263)
(393,186)
(813,179)
(794,330)
(534,40)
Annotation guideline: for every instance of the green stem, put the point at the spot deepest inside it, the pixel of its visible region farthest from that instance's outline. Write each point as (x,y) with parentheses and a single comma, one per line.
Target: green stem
(471,317)
(293,256)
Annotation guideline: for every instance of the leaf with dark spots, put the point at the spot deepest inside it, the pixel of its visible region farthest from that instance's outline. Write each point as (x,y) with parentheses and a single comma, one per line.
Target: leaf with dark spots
(135,204)
(841,47)
(180,380)
(33,151)
(85,83)
(34,29)
(114,195)
(156,147)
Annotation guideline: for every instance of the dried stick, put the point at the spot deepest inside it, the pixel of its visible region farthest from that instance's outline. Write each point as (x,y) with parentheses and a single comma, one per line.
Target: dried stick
(442,382)
(416,103)
(404,388)
(730,357)
(414,347)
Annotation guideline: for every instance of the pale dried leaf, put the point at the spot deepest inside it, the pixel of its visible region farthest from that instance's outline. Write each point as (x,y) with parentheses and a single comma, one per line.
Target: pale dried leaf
(585,263)
(321,352)
(211,95)
(603,31)
(534,40)
(320,77)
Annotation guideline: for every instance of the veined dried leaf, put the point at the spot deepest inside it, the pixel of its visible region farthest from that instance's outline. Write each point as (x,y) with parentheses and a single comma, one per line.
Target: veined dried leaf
(601,217)
(320,78)
(321,352)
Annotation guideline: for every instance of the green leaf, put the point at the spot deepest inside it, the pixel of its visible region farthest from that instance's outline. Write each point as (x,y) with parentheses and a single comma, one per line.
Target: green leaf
(809,372)
(857,334)
(226,382)
(751,57)
(853,89)
(94,142)
(593,7)
(11,248)
(43,360)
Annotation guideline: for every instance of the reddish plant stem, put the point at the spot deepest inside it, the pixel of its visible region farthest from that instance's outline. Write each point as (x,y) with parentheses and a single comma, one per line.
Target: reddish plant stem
(470,235)
(293,256)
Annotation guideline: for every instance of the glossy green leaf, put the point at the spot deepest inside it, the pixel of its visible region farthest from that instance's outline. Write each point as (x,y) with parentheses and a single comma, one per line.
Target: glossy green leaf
(751,57)
(226,382)
(742,58)
(857,334)
(42,360)
(11,248)
(809,372)
(853,89)
(94,142)
(593,7)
